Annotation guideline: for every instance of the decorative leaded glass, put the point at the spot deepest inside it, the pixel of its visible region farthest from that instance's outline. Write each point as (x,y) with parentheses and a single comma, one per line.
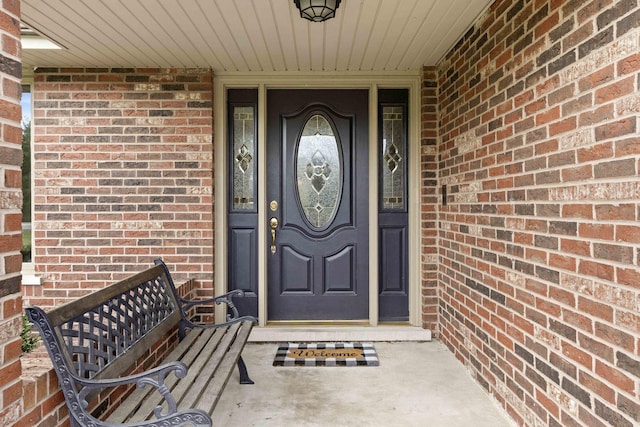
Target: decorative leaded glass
(244,157)
(393,157)
(318,171)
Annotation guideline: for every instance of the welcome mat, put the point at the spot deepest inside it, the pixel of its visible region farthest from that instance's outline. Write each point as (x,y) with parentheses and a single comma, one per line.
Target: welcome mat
(326,354)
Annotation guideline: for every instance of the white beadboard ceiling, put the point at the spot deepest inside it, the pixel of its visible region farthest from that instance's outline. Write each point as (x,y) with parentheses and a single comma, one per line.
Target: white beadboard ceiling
(247,35)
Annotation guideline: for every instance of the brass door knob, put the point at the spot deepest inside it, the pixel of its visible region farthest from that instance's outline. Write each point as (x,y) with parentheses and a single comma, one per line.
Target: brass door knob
(273,223)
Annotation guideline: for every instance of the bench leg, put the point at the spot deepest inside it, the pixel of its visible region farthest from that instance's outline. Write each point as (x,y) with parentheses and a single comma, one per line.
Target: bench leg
(242,369)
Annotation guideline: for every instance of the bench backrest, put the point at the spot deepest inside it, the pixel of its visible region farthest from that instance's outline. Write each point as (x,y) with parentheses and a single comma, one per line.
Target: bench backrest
(101,335)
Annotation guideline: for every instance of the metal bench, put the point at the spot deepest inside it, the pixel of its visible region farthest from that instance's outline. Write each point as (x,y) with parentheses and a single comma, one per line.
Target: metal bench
(104,341)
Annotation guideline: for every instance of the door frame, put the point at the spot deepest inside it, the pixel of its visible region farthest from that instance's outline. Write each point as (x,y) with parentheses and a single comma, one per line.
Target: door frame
(330,80)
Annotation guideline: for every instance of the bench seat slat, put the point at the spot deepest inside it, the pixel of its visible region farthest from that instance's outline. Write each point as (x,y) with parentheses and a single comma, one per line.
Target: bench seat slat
(192,391)
(209,399)
(186,351)
(206,341)
(210,357)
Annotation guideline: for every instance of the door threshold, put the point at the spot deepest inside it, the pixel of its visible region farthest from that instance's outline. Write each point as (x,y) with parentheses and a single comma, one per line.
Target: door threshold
(305,332)
(297,323)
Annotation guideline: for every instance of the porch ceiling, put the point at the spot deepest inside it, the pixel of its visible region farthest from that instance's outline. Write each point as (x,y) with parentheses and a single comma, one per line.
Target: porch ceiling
(246,35)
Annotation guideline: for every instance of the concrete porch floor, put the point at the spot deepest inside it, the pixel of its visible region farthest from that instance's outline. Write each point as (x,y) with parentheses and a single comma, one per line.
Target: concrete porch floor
(416,384)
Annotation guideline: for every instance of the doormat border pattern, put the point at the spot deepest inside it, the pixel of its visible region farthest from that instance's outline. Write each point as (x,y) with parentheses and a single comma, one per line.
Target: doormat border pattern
(369,356)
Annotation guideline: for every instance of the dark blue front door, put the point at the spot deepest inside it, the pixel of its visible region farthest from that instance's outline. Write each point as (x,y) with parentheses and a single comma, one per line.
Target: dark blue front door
(317,204)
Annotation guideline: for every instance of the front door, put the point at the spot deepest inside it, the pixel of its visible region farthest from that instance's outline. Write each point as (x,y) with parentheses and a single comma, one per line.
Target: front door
(317,196)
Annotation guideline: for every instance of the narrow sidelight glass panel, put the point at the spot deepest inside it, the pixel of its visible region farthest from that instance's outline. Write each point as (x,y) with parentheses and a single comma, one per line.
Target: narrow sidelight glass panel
(393,217)
(393,158)
(318,172)
(244,157)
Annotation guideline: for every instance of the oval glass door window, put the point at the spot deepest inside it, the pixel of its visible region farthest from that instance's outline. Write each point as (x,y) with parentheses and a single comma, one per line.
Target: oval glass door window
(319,172)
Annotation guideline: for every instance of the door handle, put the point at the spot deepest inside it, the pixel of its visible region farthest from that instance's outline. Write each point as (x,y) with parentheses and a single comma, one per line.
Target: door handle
(273,223)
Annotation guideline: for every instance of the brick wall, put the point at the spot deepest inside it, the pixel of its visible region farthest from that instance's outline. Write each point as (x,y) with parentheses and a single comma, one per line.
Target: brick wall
(123,174)
(429,200)
(540,238)
(42,398)
(10,213)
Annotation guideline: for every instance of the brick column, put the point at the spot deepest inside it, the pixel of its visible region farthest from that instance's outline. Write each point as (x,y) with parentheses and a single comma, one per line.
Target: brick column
(10,213)
(429,202)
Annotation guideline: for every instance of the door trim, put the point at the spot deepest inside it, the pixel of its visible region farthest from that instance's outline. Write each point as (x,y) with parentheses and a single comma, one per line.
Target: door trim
(370,81)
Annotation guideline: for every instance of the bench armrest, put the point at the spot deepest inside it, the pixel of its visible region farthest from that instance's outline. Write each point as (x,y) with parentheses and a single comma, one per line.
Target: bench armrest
(232,311)
(155,378)
(220,299)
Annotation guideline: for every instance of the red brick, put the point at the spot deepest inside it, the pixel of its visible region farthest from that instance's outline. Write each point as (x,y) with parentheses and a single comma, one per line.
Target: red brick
(577,355)
(32,418)
(12,133)
(534,107)
(615,377)
(52,402)
(615,336)
(11,307)
(10,371)
(12,7)
(628,276)
(596,269)
(578,173)
(549,405)
(627,147)
(597,309)
(596,347)
(562,262)
(12,350)
(601,389)
(628,233)
(588,10)
(619,212)
(598,78)
(12,393)
(562,296)
(548,307)
(578,320)
(599,115)
(9,111)
(563,126)
(596,230)
(577,247)
(546,147)
(547,25)
(9,24)
(630,64)
(615,90)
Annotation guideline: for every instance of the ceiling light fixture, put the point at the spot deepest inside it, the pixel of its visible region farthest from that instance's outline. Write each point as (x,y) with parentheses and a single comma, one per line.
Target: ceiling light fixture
(317,10)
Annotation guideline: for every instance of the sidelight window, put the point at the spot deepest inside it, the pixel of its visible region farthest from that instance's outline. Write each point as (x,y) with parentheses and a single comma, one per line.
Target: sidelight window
(393,158)
(244,155)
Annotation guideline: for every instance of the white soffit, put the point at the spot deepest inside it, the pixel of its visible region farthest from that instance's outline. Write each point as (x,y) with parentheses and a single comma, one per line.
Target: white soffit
(247,35)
